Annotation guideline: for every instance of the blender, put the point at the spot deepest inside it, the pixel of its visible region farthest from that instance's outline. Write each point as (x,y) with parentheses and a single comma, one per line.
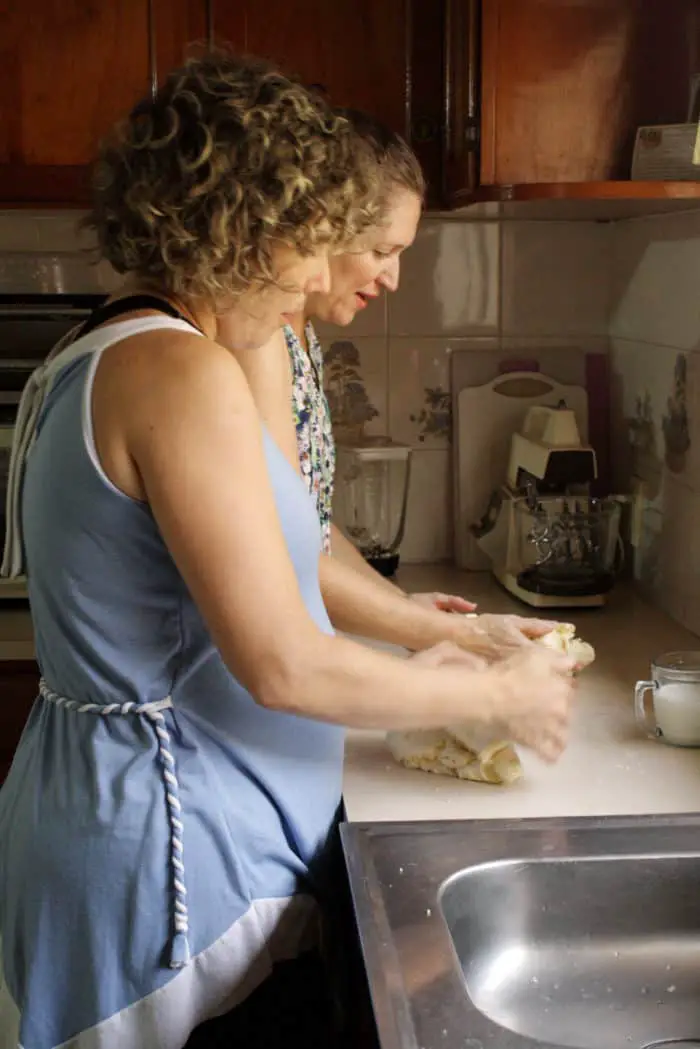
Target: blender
(371,493)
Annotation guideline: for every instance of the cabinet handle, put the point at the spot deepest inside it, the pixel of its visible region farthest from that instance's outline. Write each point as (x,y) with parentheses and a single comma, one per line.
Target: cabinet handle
(471,135)
(152,60)
(424,129)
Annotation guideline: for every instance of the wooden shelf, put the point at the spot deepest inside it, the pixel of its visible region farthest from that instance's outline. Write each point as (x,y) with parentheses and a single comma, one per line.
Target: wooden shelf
(619,190)
(607,201)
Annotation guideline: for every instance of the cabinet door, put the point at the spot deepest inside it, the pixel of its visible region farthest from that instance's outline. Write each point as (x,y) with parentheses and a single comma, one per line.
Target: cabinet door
(565,85)
(19,686)
(68,70)
(355,50)
(461,157)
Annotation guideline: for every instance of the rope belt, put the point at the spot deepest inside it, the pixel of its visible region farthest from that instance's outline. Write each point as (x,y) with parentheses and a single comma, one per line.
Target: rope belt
(152,712)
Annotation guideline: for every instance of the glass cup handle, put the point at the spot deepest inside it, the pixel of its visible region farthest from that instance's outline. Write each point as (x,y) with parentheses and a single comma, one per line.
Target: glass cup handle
(640,711)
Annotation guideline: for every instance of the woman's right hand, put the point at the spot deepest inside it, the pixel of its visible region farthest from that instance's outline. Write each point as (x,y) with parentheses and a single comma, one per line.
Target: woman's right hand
(533,697)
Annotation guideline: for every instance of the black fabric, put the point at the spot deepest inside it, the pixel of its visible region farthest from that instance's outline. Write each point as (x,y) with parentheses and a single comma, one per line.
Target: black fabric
(292,1009)
(129,304)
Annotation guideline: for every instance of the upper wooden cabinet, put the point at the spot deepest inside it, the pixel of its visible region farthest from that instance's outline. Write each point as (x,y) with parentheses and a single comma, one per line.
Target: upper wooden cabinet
(562,88)
(68,70)
(502,99)
(383,57)
(354,50)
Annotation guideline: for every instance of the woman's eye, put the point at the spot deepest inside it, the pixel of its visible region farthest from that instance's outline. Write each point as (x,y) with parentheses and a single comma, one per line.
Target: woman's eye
(382,254)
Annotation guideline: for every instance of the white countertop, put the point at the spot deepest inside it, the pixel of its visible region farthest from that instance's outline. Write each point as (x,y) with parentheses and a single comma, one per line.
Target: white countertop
(609,768)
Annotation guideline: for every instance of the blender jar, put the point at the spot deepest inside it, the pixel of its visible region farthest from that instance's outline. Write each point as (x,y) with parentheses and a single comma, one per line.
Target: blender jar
(369,503)
(567,545)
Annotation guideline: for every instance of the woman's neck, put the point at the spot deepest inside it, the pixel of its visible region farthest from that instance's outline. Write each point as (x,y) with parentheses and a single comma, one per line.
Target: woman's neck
(298,325)
(198,314)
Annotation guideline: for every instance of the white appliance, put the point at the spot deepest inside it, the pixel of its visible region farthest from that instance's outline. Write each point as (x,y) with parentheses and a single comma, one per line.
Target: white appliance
(485,419)
(549,543)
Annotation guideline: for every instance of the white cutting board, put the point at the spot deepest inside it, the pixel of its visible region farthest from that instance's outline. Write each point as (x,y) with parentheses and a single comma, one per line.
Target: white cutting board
(486,417)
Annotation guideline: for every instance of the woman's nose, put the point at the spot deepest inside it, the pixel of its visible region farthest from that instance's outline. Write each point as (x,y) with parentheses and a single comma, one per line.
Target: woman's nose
(389,277)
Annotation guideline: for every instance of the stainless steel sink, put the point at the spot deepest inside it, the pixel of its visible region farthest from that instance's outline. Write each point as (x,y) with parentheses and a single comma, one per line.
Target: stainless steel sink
(581,933)
(582,952)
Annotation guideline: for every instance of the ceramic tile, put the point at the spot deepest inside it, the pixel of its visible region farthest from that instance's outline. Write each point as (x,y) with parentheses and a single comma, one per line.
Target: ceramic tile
(449,281)
(555,278)
(650,406)
(654,281)
(356,383)
(419,392)
(58,231)
(428,534)
(370,321)
(18,231)
(679,551)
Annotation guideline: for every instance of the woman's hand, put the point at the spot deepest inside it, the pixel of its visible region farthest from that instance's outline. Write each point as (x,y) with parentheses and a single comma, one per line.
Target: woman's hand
(496,637)
(446,653)
(533,695)
(444,602)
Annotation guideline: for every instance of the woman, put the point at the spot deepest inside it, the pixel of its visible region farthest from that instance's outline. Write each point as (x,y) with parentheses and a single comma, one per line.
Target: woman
(291,368)
(164,826)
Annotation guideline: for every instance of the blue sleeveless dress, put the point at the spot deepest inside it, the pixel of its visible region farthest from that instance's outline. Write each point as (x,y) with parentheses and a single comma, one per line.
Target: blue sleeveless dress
(162,836)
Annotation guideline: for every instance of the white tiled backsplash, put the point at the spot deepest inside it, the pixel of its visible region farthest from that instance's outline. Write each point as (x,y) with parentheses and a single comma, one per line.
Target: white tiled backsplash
(471,284)
(655,347)
(486,283)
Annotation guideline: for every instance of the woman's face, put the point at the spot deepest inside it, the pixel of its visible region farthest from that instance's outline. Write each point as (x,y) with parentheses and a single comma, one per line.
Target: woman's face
(261,311)
(358,276)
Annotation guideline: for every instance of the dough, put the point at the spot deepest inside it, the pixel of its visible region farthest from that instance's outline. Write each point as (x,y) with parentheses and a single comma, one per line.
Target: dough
(464,751)
(440,752)
(563,639)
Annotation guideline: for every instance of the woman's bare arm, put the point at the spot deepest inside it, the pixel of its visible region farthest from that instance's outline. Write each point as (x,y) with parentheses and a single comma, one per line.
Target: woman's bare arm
(182,410)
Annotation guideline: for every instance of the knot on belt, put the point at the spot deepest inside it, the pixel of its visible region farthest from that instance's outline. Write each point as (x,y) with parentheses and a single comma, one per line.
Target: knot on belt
(153,713)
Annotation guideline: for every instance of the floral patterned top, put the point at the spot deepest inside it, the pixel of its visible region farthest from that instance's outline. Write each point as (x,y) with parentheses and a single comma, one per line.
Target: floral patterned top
(312,418)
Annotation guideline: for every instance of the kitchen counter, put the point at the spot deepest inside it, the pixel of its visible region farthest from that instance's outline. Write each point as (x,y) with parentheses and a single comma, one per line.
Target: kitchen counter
(609,768)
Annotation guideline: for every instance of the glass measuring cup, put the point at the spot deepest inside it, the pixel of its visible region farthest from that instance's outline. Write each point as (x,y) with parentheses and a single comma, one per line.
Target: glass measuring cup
(674,714)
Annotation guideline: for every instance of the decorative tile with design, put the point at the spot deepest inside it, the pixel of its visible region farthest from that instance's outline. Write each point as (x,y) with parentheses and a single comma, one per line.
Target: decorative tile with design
(420,411)
(428,535)
(556,278)
(449,281)
(649,386)
(356,381)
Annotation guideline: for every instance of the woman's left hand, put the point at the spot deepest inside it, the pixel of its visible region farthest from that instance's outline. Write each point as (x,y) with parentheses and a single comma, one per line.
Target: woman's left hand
(497,637)
(444,602)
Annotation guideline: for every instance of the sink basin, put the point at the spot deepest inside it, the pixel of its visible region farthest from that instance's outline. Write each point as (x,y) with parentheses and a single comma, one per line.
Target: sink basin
(589,952)
(562,933)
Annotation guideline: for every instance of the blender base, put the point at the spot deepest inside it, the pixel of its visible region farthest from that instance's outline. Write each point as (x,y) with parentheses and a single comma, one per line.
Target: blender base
(386,566)
(528,597)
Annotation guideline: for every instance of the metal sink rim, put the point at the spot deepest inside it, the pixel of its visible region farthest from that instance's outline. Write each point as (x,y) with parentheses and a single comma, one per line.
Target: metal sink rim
(458,846)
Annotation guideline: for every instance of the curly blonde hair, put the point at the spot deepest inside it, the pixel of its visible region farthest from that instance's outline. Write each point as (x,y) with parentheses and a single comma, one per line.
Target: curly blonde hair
(395,161)
(193,189)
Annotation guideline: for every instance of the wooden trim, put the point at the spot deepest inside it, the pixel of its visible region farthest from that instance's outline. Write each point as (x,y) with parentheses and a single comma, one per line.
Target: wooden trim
(490,36)
(27,185)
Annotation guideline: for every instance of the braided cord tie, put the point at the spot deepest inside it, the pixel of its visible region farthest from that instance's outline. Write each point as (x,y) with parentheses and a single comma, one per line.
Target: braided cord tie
(152,712)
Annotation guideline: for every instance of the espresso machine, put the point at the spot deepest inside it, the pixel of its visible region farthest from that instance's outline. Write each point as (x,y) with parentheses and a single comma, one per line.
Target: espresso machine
(550,543)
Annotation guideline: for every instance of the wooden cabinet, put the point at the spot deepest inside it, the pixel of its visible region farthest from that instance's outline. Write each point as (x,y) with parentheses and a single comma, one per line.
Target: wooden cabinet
(501,99)
(19,687)
(563,88)
(356,51)
(68,70)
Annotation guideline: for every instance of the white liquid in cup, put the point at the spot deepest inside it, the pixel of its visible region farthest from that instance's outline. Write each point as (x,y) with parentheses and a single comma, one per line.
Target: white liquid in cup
(677,712)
